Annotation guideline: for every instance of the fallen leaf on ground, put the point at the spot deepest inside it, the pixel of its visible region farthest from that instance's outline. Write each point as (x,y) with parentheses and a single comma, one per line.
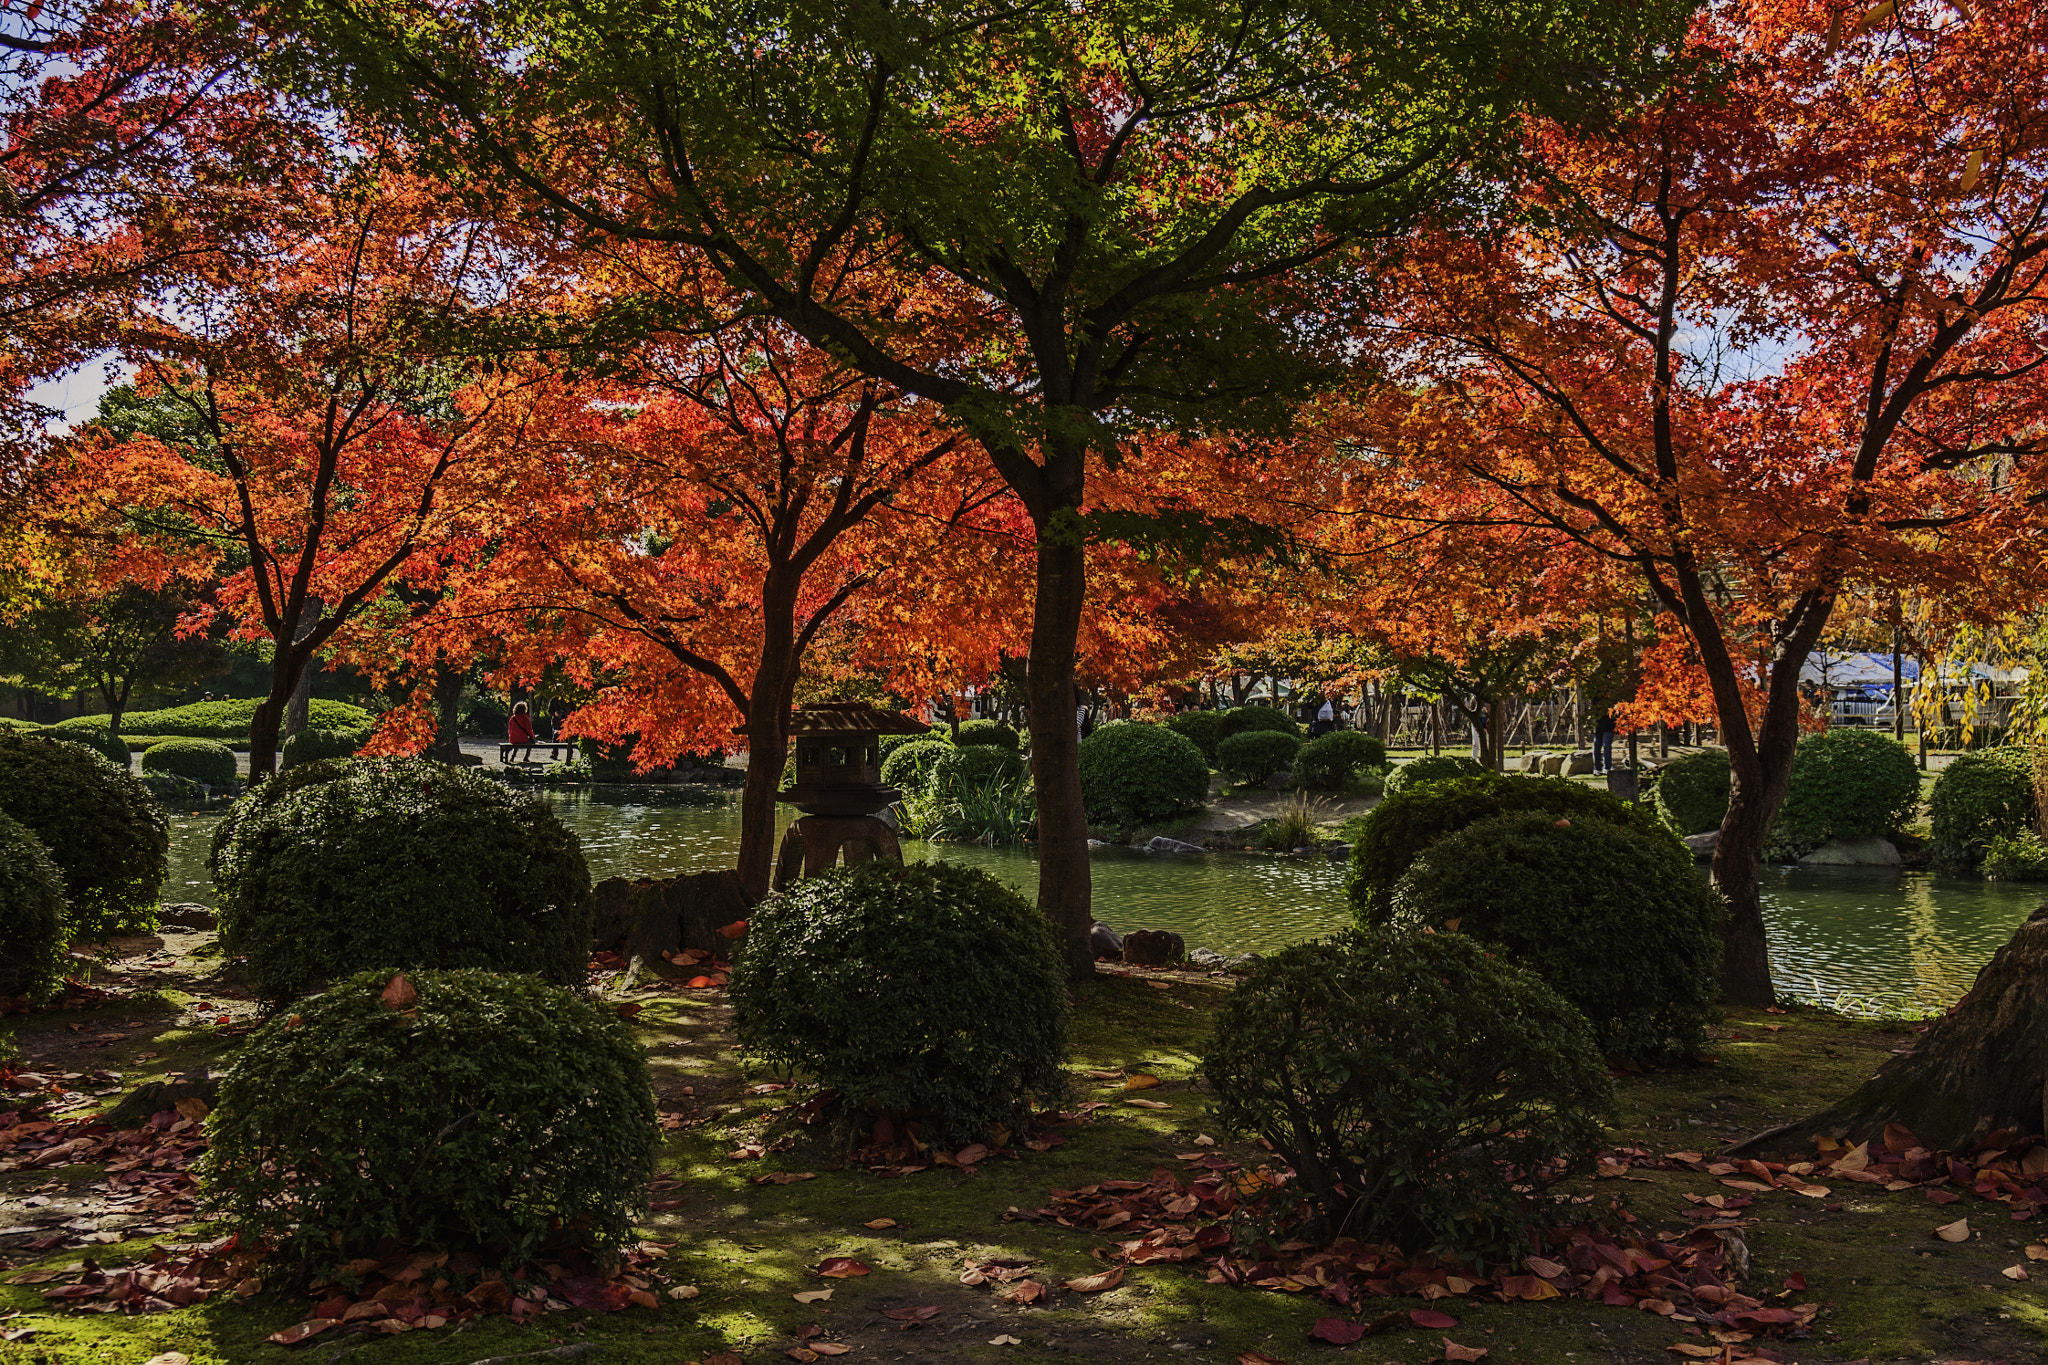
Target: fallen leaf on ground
(735,929)
(913,1317)
(2015,1272)
(2037,1252)
(1336,1331)
(1161,985)
(1697,1350)
(879,1223)
(1796,1281)
(169,1358)
(689,1291)
(1140,1081)
(784,1177)
(1095,1284)
(1258,1358)
(1204,1140)
(302,1331)
(399,994)
(1453,1351)
(971,1153)
(840,1268)
(812,1296)
(830,1348)
(1025,1292)
(1148,1104)
(1004,1340)
(1429,1317)
(1958,1231)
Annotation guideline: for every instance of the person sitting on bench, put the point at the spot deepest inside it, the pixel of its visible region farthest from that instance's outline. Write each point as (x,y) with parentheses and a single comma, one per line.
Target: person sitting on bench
(519,731)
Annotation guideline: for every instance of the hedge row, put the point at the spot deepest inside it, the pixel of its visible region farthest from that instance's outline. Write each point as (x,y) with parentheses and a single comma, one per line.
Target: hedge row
(228,720)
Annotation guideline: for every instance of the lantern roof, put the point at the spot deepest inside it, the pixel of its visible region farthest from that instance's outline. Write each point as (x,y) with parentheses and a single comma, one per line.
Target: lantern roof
(851,718)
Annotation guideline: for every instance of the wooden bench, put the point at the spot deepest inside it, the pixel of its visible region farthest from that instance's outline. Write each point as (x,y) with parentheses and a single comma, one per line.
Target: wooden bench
(555,748)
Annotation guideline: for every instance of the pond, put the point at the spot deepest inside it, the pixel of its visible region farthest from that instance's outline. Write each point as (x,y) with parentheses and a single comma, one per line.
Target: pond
(1864,939)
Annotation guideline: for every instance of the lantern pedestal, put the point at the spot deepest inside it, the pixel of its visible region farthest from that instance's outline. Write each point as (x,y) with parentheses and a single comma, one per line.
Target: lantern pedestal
(839,788)
(815,843)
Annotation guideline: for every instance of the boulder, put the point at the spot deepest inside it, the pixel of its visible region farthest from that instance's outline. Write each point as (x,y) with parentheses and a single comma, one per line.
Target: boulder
(1336,851)
(196,1090)
(1871,852)
(1280,781)
(1104,941)
(186,915)
(1154,947)
(1553,764)
(1162,844)
(646,918)
(1206,957)
(1577,763)
(1243,962)
(1702,845)
(1533,763)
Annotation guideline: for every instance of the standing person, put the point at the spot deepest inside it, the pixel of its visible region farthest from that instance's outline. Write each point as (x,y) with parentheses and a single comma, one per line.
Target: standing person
(1603,739)
(1326,720)
(519,730)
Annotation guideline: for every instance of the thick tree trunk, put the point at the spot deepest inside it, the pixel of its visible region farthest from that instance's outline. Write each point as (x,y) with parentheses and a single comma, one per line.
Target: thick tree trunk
(447,744)
(302,690)
(1981,1068)
(1064,894)
(263,731)
(768,730)
(1745,952)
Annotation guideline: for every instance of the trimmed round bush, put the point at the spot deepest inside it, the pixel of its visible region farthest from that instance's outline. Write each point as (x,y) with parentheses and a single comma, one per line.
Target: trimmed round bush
(1412,1082)
(358,863)
(1395,832)
(891,743)
(1692,791)
(1847,784)
(31,915)
(1136,774)
(1435,768)
(1255,755)
(1239,720)
(974,767)
(930,992)
(448,1111)
(1204,728)
(1328,763)
(1978,799)
(102,828)
(1602,913)
(313,743)
(199,760)
(97,738)
(909,766)
(992,732)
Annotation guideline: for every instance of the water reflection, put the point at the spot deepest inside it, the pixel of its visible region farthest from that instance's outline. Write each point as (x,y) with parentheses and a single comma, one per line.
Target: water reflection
(1860,937)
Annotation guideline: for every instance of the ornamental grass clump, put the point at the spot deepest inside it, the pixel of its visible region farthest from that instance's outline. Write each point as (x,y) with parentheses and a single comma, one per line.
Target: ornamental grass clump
(347,864)
(1136,774)
(446,1111)
(102,828)
(1425,1093)
(930,993)
(1626,932)
(31,915)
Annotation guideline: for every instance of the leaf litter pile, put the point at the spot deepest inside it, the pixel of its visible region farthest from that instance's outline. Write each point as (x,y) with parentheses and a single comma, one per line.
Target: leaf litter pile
(1692,1278)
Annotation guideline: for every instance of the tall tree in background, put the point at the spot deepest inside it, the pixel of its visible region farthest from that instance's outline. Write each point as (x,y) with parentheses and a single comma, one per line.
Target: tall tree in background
(1774,339)
(1125,215)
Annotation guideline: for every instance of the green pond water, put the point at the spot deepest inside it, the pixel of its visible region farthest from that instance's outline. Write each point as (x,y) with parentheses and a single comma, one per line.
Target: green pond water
(1862,938)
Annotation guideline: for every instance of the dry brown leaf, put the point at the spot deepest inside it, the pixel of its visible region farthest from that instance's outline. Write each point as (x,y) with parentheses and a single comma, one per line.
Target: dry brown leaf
(1161,985)
(2037,1252)
(1140,1081)
(1958,1231)
(1004,1340)
(830,1348)
(879,1223)
(1453,1351)
(400,994)
(1148,1104)
(1095,1284)
(812,1296)
(840,1268)
(2015,1272)
(689,1291)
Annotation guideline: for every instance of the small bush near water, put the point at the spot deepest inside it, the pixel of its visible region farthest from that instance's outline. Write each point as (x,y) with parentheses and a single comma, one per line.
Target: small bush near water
(1438,768)
(1413,1083)
(1136,774)
(931,992)
(1692,791)
(313,743)
(348,864)
(102,828)
(1977,800)
(197,760)
(1846,784)
(909,766)
(1630,935)
(1255,755)
(1329,763)
(1389,839)
(31,915)
(981,793)
(449,1111)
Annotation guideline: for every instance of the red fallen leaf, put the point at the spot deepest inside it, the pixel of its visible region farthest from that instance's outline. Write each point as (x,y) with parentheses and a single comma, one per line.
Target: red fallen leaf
(1453,1351)
(723,1358)
(735,929)
(1429,1317)
(1025,1292)
(971,1153)
(1942,1196)
(1795,1281)
(913,1317)
(302,1331)
(399,994)
(627,1011)
(841,1268)
(697,983)
(1258,1358)
(1336,1331)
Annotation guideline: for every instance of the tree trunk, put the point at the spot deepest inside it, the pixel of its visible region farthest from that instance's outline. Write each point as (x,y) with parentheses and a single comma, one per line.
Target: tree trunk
(447,744)
(1981,1068)
(1064,894)
(302,690)
(767,710)
(264,724)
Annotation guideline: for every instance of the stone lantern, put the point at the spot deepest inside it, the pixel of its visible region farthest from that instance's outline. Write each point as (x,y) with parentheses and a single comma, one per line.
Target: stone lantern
(839,788)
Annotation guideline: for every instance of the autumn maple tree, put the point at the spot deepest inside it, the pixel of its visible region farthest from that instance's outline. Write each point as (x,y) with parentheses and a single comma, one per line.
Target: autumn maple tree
(1778,337)
(1141,214)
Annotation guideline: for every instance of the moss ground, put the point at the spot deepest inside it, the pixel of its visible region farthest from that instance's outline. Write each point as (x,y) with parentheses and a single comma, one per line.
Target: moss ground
(1894,1293)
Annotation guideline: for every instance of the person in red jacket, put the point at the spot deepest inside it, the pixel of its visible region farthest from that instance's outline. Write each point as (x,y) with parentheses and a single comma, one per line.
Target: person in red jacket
(519,730)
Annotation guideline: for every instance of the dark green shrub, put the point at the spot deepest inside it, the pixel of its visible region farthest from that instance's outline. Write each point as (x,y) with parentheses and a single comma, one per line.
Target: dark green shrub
(613,762)
(199,760)
(31,915)
(988,732)
(1436,768)
(482,1117)
(1628,934)
(1255,755)
(891,743)
(224,720)
(341,866)
(1135,774)
(1846,784)
(1240,720)
(930,991)
(101,826)
(97,738)
(976,766)
(1327,764)
(1976,799)
(1692,791)
(1203,728)
(312,744)
(2019,857)
(1395,832)
(1413,1083)
(909,766)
